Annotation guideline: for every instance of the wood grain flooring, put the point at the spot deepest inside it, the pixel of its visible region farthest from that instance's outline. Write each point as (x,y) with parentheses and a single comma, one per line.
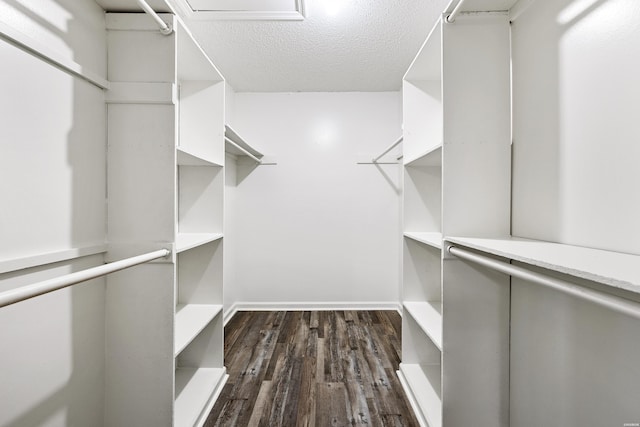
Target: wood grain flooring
(318,368)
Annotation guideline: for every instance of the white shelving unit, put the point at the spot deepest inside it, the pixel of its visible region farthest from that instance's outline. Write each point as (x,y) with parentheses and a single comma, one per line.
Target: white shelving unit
(456,180)
(481,347)
(166,187)
(431,239)
(615,269)
(420,370)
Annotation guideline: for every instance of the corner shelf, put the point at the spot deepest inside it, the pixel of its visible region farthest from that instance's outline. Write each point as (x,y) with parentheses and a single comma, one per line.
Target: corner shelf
(428,315)
(190,320)
(618,270)
(431,238)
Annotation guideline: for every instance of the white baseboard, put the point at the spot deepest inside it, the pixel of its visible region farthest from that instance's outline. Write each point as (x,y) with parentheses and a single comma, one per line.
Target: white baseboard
(308,306)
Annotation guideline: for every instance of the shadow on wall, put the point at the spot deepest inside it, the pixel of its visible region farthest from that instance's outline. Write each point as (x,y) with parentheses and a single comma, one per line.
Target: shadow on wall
(541,108)
(55,371)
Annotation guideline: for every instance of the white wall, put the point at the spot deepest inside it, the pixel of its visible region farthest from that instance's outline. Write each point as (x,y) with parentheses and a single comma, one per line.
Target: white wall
(316,228)
(576,130)
(575,180)
(52,168)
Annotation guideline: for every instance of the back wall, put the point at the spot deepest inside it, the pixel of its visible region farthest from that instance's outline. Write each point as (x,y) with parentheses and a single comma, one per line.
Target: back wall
(317,230)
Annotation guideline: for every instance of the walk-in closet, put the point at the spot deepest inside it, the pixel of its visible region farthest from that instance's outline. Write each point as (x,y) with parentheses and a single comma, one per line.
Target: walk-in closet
(319,212)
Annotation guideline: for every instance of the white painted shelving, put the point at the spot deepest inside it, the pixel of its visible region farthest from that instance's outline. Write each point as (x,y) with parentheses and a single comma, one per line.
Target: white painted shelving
(615,269)
(429,317)
(425,385)
(431,239)
(167,185)
(194,399)
(186,241)
(190,320)
(456,163)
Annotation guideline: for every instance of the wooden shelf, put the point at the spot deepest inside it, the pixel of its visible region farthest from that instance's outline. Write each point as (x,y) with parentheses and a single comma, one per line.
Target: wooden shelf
(430,157)
(614,269)
(186,241)
(428,315)
(238,145)
(190,320)
(196,390)
(423,384)
(190,158)
(431,238)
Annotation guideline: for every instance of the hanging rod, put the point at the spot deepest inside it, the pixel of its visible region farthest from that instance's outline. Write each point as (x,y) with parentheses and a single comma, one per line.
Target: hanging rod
(450,18)
(619,304)
(165,28)
(25,292)
(391,147)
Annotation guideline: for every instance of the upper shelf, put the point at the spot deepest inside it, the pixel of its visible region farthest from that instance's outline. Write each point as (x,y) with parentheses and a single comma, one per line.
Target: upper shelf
(482,5)
(191,158)
(193,63)
(186,241)
(430,238)
(235,144)
(429,157)
(427,64)
(614,269)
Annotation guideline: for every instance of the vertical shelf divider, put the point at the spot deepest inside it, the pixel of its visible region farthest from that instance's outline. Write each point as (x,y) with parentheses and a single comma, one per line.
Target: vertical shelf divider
(166,186)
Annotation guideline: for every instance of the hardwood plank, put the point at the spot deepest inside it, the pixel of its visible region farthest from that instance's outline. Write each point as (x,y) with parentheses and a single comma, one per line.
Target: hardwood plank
(356,395)
(231,412)
(331,405)
(352,335)
(260,404)
(320,373)
(307,406)
(314,321)
(322,324)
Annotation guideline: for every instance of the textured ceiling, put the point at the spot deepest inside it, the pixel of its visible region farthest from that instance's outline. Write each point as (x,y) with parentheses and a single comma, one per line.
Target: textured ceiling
(342,45)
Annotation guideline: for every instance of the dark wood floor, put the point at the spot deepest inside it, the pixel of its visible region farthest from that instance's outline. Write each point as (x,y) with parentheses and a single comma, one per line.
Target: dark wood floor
(319,368)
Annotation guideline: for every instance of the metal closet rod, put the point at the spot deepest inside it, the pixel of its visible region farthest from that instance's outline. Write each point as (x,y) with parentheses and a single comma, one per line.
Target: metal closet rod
(25,292)
(619,304)
(164,27)
(450,18)
(391,147)
(248,154)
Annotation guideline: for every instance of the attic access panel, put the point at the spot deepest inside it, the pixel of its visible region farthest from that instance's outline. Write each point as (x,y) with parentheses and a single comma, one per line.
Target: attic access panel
(246,9)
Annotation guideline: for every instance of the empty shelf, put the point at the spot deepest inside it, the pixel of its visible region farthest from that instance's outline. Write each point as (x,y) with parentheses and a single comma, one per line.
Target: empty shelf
(430,157)
(429,317)
(186,241)
(190,320)
(422,384)
(195,391)
(432,238)
(190,158)
(614,269)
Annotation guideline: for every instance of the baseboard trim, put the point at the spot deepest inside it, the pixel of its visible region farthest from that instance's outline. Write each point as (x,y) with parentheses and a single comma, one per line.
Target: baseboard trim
(308,306)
